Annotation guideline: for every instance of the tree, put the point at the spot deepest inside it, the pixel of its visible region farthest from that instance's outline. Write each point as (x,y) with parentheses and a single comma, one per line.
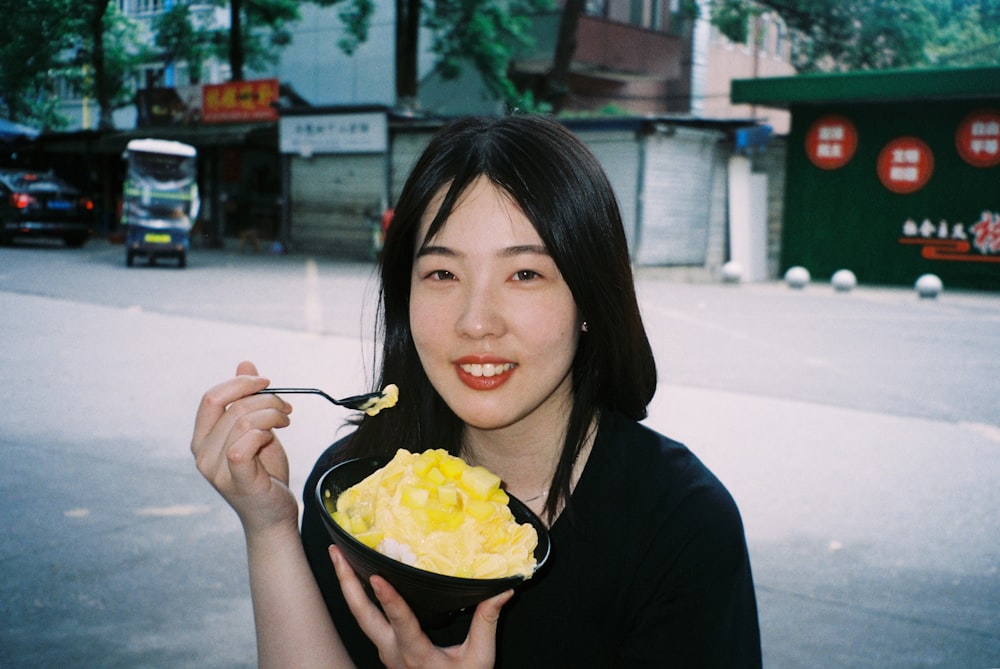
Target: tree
(484,33)
(556,86)
(257,29)
(106,48)
(180,38)
(90,45)
(481,33)
(841,35)
(968,33)
(34,35)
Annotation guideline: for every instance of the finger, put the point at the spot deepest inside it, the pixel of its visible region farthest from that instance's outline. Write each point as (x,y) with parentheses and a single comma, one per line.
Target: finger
(370,619)
(406,631)
(246,368)
(217,400)
(246,470)
(483,631)
(259,420)
(260,413)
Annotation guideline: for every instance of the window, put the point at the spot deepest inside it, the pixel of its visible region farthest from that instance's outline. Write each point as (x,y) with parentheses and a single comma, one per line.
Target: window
(133,8)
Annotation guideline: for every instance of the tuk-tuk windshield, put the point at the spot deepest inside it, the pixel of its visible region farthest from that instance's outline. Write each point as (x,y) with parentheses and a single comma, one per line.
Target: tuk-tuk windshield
(161,188)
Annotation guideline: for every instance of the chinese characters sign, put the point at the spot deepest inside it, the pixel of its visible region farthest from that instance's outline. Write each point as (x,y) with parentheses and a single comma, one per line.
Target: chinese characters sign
(237,101)
(831,142)
(905,165)
(978,138)
(365,132)
(952,241)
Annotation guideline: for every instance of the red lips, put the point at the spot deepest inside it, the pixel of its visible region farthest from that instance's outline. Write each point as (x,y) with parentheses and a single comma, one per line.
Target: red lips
(483,373)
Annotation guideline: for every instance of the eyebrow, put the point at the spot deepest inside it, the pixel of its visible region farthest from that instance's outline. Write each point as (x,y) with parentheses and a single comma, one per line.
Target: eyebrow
(507,252)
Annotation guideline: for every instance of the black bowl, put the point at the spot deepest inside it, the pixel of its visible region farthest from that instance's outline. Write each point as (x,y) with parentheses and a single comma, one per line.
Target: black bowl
(433,597)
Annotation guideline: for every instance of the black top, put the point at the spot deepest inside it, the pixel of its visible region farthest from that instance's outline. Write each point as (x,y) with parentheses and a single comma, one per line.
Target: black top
(651,569)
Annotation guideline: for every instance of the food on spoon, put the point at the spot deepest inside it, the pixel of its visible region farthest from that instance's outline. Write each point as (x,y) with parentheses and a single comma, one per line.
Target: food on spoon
(387,400)
(435,512)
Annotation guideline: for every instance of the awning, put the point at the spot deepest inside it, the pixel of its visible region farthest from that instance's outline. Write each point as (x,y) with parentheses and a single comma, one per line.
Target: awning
(201,136)
(872,86)
(11,131)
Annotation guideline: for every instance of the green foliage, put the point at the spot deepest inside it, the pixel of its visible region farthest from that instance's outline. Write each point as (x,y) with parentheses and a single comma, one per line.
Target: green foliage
(266,29)
(968,33)
(33,36)
(179,40)
(123,48)
(607,111)
(478,33)
(732,18)
(840,35)
(688,9)
(356,17)
(484,33)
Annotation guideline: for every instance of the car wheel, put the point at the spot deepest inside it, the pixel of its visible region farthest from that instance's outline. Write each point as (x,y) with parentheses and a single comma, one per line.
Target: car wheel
(75,241)
(182,261)
(129,259)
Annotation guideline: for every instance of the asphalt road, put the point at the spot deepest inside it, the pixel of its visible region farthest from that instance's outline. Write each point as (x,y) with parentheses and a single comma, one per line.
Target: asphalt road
(858,432)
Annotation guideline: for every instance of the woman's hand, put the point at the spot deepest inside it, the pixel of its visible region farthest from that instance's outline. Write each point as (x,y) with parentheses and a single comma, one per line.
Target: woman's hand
(236,450)
(397,634)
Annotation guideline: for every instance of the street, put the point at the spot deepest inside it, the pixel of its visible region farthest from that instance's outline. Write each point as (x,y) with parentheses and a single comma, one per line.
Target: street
(858,432)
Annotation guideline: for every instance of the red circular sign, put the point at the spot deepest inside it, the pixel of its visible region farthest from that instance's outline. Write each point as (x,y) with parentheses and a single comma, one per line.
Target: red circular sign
(978,138)
(831,142)
(905,164)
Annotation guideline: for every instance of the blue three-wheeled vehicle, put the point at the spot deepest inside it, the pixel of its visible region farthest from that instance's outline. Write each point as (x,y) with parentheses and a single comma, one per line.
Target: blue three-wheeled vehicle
(160,203)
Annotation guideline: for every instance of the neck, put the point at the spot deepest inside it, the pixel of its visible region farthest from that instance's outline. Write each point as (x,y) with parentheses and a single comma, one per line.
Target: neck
(526,460)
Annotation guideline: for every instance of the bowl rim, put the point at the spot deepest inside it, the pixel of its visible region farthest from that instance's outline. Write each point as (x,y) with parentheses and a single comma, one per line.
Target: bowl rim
(443,579)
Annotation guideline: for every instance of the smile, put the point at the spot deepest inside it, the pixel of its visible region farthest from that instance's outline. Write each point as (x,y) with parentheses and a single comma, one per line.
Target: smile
(487,369)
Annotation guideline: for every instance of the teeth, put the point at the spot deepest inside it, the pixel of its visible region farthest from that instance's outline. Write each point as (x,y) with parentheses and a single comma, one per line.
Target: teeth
(488,369)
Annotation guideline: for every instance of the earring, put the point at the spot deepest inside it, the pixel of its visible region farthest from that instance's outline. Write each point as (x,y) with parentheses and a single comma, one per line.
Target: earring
(584,327)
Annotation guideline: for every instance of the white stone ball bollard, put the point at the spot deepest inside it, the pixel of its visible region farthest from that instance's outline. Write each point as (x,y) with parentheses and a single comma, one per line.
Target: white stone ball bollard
(732,272)
(797,277)
(843,281)
(928,285)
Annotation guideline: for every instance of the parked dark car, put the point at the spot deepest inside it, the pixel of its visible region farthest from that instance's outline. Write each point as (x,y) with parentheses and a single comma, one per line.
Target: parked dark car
(40,204)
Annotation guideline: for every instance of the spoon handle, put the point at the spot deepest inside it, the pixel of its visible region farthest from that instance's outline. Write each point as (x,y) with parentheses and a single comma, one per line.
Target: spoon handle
(353,402)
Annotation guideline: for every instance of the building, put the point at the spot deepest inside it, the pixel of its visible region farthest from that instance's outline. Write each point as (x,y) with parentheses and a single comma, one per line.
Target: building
(665,77)
(891,174)
(634,57)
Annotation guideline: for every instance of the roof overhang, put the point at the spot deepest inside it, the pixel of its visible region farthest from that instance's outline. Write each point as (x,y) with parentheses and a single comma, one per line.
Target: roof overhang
(543,66)
(869,86)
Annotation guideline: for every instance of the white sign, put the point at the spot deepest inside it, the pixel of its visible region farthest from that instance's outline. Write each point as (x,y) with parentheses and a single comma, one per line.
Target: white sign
(334,133)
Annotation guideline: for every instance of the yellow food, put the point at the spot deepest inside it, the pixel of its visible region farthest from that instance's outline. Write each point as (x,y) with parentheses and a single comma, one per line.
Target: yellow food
(434,511)
(387,400)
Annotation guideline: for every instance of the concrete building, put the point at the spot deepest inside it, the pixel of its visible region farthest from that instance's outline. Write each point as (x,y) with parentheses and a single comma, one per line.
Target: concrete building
(636,57)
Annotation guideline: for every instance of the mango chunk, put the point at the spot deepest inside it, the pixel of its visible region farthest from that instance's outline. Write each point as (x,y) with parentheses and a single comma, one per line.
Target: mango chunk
(479,482)
(480,509)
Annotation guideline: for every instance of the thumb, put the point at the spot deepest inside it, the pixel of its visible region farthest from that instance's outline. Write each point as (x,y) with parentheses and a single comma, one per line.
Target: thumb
(246,368)
(483,631)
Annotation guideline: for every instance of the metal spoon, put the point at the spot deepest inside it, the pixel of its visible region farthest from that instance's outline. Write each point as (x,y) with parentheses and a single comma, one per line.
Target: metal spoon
(358,402)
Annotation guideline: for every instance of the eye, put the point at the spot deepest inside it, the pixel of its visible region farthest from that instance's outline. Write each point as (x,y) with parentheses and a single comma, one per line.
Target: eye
(525,275)
(440,275)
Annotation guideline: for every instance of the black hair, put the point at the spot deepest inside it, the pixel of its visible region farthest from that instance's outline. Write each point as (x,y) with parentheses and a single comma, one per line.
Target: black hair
(563,191)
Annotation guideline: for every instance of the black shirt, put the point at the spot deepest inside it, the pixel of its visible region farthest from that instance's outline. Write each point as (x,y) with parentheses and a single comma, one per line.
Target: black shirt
(650,569)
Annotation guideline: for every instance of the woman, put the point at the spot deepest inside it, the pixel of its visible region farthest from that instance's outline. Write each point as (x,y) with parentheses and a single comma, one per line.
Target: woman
(510,324)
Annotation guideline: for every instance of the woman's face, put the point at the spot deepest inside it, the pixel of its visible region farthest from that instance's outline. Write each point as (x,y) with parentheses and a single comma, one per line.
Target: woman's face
(494,323)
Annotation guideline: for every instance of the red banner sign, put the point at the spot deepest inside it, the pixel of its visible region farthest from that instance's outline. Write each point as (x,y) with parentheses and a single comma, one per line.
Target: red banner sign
(978,138)
(236,101)
(905,165)
(831,142)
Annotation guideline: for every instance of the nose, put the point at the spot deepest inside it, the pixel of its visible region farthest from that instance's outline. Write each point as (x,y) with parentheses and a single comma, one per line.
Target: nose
(481,313)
